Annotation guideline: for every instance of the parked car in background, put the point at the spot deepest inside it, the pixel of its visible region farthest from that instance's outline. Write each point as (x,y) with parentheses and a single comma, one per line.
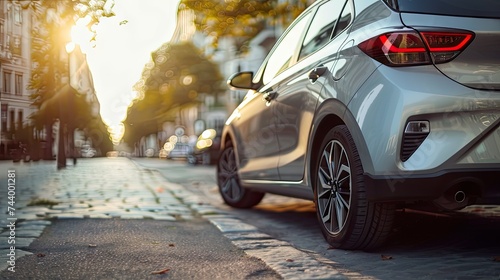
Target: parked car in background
(87,151)
(368,106)
(176,147)
(206,150)
(180,150)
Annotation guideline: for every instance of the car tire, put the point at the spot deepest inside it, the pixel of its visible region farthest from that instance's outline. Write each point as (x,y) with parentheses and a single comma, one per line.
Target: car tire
(205,158)
(230,187)
(347,219)
(191,159)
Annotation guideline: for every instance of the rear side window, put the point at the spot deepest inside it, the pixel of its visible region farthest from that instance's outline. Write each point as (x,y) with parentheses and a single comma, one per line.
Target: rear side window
(466,8)
(344,20)
(282,54)
(322,26)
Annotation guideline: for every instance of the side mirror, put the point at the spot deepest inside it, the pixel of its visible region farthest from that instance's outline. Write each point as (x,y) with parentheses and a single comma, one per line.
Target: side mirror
(241,80)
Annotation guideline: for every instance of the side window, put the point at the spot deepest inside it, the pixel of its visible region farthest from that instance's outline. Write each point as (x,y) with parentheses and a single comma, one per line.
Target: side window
(322,26)
(344,20)
(283,53)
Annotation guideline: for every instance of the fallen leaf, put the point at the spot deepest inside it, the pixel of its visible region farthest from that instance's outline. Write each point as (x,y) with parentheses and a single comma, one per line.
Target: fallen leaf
(171,245)
(160,190)
(161,271)
(289,260)
(496,259)
(386,258)
(40,255)
(92,245)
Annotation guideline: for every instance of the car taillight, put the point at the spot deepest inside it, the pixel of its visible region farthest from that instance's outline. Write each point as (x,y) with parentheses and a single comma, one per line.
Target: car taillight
(445,46)
(408,48)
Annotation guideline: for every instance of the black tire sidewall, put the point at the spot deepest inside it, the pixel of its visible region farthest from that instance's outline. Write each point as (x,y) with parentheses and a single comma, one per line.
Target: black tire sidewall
(248,198)
(226,199)
(342,135)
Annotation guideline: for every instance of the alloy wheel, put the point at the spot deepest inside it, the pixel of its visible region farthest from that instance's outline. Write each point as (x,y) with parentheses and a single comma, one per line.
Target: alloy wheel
(228,176)
(334,188)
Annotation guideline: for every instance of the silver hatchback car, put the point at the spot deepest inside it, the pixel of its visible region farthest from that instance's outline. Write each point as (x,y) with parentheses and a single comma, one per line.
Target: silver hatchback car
(369,106)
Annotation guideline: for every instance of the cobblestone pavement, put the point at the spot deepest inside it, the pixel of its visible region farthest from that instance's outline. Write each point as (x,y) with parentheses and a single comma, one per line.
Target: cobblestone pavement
(104,188)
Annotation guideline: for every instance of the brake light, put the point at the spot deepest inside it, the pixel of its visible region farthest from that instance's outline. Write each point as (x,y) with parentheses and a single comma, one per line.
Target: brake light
(445,46)
(408,48)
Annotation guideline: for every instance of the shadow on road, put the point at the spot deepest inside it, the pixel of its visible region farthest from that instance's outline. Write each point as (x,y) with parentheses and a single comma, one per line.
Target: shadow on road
(415,230)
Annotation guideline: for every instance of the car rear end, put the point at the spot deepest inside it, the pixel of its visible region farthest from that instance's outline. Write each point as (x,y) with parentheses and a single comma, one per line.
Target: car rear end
(429,112)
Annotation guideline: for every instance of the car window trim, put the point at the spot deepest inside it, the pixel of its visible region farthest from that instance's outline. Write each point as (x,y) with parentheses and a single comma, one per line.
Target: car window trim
(332,37)
(294,58)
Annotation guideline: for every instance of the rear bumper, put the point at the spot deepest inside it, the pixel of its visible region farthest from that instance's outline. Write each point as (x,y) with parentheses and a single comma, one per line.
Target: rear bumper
(483,186)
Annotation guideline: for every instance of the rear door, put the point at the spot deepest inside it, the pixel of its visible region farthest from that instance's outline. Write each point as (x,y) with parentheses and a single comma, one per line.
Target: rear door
(298,95)
(256,120)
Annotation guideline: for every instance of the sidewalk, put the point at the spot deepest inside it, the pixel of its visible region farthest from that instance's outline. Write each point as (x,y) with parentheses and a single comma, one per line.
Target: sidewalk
(91,189)
(92,192)
(96,188)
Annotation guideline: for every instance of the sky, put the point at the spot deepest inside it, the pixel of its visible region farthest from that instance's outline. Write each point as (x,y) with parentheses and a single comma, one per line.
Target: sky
(123,46)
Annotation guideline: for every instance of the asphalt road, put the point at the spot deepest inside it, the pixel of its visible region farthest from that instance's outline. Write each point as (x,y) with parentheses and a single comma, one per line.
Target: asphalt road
(135,249)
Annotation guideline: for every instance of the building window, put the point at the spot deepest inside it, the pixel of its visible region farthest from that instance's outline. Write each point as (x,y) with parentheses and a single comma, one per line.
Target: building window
(20,119)
(19,84)
(6,82)
(18,17)
(16,48)
(12,121)
(3,116)
(7,42)
(2,33)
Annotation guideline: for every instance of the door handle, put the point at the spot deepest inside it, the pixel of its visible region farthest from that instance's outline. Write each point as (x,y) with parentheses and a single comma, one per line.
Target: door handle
(316,73)
(270,96)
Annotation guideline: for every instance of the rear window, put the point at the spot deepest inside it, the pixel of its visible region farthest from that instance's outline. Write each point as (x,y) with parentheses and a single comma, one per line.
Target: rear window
(466,8)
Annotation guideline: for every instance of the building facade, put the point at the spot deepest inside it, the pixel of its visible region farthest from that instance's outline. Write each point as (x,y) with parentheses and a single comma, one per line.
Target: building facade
(15,71)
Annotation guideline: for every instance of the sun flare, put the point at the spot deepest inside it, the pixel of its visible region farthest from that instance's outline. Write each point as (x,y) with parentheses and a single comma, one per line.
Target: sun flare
(81,34)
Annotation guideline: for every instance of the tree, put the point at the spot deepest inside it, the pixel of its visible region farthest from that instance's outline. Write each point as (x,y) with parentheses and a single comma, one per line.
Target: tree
(175,77)
(50,33)
(241,20)
(97,132)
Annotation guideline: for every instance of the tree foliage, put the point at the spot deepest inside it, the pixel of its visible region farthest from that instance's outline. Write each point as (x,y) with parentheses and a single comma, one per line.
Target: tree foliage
(175,77)
(50,33)
(51,27)
(241,20)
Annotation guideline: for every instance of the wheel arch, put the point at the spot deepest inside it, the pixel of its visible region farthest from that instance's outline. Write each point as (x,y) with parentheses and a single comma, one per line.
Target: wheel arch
(228,137)
(332,113)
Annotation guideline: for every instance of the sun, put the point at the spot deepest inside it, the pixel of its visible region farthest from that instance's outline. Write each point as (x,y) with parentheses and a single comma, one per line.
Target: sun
(116,132)
(81,34)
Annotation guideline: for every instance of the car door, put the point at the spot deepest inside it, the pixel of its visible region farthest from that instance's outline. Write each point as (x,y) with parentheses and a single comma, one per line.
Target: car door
(259,149)
(256,136)
(297,97)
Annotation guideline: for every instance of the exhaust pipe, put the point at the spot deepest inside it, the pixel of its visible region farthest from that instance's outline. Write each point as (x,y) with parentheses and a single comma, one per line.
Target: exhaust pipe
(453,200)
